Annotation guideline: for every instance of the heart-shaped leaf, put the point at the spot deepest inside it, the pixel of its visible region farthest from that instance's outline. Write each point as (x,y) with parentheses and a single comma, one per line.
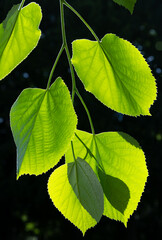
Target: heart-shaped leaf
(43,123)
(77,193)
(119,162)
(19,35)
(116,73)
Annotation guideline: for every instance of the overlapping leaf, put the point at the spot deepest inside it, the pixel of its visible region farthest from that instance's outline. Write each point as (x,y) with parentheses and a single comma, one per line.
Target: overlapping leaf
(19,35)
(129,4)
(77,193)
(43,123)
(120,165)
(116,73)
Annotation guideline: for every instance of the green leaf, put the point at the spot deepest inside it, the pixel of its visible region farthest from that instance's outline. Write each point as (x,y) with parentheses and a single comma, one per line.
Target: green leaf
(119,162)
(43,123)
(77,193)
(19,35)
(86,187)
(129,4)
(116,73)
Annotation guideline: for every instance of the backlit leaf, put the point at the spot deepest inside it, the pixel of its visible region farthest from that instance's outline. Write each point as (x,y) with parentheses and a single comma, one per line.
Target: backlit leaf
(77,193)
(122,172)
(116,73)
(19,35)
(129,4)
(43,123)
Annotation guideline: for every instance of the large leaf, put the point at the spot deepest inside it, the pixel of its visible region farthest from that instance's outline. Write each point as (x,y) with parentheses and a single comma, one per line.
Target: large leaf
(129,4)
(116,73)
(119,163)
(19,35)
(43,123)
(77,193)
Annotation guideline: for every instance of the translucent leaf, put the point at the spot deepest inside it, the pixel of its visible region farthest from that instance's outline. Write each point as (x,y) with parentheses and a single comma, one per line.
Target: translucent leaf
(119,162)
(116,73)
(129,4)
(19,35)
(43,123)
(77,193)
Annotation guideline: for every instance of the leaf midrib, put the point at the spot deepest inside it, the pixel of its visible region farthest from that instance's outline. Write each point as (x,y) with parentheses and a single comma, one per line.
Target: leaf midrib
(117,76)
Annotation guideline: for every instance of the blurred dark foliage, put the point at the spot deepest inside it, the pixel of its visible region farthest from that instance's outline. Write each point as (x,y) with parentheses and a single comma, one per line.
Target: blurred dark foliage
(26,211)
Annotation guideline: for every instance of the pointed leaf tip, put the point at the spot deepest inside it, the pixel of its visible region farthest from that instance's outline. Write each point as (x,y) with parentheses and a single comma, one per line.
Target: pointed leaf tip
(67,200)
(129,4)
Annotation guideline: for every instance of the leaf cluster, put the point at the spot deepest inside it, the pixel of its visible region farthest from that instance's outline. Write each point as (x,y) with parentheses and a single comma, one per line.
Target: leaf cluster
(103,174)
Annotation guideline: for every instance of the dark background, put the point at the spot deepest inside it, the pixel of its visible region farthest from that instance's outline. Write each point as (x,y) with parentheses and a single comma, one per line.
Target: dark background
(26,211)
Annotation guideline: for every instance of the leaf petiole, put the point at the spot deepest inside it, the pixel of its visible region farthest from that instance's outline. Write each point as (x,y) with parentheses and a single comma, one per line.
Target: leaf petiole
(72,148)
(90,153)
(66,48)
(54,65)
(74,89)
(87,111)
(21,4)
(82,19)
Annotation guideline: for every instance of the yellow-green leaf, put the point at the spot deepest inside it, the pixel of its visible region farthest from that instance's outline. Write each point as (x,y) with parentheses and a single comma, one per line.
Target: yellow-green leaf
(43,123)
(119,162)
(116,73)
(19,35)
(76,192)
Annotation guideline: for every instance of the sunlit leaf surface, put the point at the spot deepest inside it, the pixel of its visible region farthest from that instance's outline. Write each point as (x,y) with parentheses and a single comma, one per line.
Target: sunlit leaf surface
(77,193)
(19,35)
(116,73)
(43,123)
(119,162)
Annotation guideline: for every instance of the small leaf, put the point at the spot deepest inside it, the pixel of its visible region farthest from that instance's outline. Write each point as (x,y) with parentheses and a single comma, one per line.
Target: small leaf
(86,187)
(19,35)
(129,4)
(116,73)
(77,193)
(43,123)
(121,168)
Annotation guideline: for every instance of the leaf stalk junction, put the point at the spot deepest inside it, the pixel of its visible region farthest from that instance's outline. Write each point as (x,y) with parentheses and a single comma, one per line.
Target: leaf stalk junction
(65,47)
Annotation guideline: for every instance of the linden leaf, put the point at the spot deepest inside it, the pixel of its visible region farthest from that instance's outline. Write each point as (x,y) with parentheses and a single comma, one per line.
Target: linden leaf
(77,193)
(43,123)
(116,73)
(19,35)
(119,162)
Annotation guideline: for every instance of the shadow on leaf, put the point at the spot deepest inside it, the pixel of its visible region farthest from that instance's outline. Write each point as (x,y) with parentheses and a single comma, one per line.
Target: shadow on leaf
(129,139)
(115,190)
